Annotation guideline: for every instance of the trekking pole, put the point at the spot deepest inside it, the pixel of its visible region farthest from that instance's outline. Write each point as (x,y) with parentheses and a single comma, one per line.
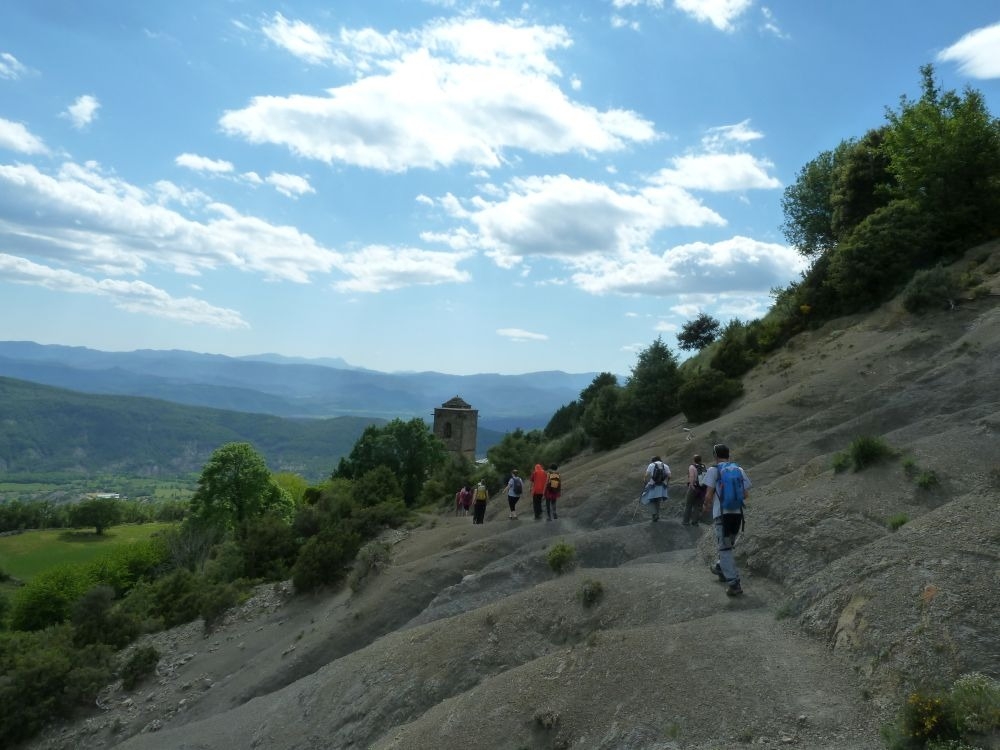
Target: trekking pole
(636,511)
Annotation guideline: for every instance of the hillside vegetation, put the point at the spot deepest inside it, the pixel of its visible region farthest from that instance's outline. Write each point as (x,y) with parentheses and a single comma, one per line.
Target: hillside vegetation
(47,429)
(865,409)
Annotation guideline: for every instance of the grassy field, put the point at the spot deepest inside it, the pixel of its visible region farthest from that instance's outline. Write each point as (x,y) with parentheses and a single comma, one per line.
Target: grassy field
(26,555)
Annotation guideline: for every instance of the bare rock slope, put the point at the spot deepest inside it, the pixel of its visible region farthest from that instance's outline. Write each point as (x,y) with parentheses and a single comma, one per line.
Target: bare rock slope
(470,640)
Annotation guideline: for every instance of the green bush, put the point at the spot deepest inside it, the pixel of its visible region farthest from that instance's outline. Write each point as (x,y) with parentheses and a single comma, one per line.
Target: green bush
(931,289)
(561,557)
(124,565)
(734,354)
(139,665)
(45,677)
(841,461)
(927,479)
(705,394)
(897,520)
(269,548)
(975,701)
(867,451)
(324,558)
(591,592)
(96,620)
(372,559)
(48,598)
(176,597)
(215,600)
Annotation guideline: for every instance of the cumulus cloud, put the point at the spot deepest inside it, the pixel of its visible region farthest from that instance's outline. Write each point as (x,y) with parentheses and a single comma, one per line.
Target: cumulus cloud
(739,265)
(16,137)
(721,136)
(10,67)
(722,14)
(570,219)
(291,185)
(203,164)
(718,173)
(83,111)
(517,334)
(977,53)
(82,215)
(132,296)
(302,40)
(378,268)
(461,91)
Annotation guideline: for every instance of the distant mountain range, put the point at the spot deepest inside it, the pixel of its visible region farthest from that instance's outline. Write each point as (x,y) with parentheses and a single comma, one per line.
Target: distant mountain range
(291,387)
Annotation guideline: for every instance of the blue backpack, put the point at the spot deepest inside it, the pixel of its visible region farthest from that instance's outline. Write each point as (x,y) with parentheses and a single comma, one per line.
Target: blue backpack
(730,488)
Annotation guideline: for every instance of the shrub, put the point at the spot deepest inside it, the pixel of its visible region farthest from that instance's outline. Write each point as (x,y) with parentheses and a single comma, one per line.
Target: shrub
(867,451)
(896,521)
(323,559)
(176,597)
(705,394)
(96,620)
(927,479)
(591,592)
(139,665)
(215,600)
(124,565)
(48,598)
(561,557)
(841,461)
(975,702)
(931,289)
(372,559)
(269,547)
(45,677)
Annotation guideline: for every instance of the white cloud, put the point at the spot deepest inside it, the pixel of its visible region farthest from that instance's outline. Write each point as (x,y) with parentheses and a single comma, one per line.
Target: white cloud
(572,219)
(101,223)
(302,40)
(378,268)
(517,334)
(203,164)
(977,53)
(83,111)
(718,172)
(291,185)
(132,296)
(718,137)
(770,25)
(739,265)
(10,67)
(464,91)
(720,13)
(15,137)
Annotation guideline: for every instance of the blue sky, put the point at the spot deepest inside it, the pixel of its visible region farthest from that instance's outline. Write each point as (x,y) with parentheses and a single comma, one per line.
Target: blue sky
(411,185)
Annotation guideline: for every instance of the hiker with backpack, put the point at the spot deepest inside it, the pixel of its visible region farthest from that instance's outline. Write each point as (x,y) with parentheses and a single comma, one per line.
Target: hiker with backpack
(727,489)
(552,491)
(463,500)
(514,489)
(657,485)
(480,496)
(539,477)
(695,497)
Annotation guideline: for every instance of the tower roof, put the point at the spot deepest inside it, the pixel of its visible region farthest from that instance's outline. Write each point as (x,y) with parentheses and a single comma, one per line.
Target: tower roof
(456,403)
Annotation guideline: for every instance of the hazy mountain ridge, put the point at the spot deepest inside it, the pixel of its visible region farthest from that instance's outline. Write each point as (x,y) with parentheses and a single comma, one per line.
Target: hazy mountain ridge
(289,389)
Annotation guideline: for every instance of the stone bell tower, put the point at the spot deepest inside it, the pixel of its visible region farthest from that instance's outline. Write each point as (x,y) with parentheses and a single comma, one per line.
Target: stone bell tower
(455,424)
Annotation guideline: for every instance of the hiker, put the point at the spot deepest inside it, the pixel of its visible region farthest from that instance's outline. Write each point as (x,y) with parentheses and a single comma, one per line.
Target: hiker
(695,497)
(514,489)
(463,500)
(538,479)
(657,479)
(480,496)
(552,491)
(727,488)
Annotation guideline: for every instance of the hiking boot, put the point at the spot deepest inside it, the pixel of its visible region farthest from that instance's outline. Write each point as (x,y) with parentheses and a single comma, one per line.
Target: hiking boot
(656,517)
(734,590)
(717,570)
(555,515)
